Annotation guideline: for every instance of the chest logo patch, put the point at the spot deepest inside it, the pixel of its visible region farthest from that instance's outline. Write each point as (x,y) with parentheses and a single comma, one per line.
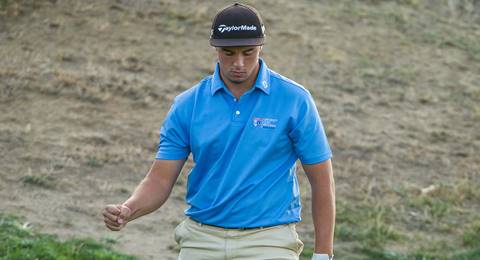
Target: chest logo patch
(265,122)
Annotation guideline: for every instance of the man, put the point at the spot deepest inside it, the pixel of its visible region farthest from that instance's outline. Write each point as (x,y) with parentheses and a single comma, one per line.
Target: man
(245,126)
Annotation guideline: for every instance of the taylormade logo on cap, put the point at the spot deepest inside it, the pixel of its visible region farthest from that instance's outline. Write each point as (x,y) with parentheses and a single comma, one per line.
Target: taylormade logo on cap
(223,28)
(237,25)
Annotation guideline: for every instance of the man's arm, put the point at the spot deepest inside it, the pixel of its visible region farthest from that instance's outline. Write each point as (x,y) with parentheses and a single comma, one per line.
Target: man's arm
(149,195)
(321,181)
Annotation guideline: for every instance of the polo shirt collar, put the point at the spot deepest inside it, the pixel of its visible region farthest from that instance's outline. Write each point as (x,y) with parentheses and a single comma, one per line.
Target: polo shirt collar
(262,82)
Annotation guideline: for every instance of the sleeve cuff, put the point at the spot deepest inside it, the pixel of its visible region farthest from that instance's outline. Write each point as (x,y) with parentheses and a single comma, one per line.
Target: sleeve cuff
(171,156)
(316,159)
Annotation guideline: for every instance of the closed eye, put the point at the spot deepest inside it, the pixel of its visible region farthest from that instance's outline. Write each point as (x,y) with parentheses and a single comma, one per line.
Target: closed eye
(248,52)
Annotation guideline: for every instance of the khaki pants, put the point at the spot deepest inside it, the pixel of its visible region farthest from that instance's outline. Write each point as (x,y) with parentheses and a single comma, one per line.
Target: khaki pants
(198,241)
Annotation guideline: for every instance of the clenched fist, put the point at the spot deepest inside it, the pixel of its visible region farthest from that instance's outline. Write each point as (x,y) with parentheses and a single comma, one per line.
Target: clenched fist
(116,216)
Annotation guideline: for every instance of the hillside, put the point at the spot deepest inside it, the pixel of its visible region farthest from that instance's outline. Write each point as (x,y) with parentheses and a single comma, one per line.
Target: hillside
(85,85)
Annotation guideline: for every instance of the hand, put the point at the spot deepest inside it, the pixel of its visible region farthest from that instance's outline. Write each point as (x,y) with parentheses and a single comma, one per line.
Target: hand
(116,216)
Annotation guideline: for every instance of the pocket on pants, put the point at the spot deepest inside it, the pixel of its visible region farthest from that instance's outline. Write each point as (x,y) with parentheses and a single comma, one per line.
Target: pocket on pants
(283,236)
(295,238)
(178,232)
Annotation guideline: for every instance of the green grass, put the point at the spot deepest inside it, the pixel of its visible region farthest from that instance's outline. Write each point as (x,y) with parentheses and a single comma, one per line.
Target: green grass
(3,4)
(43,181)
(364,223)
(94,162)
(368,254)
(450,38)
(20,242)
(371,228)
(471,236)
(307,252)
(468,254)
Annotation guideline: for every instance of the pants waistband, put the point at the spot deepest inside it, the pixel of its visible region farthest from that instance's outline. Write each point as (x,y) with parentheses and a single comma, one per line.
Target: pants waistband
(223,228)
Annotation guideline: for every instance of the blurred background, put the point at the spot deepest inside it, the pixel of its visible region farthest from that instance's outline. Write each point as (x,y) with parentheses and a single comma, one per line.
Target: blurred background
(85,85)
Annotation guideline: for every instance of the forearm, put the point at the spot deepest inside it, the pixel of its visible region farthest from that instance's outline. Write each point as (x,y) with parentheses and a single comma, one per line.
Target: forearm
(147,197)
(323,214)
(155,188)
(322,184)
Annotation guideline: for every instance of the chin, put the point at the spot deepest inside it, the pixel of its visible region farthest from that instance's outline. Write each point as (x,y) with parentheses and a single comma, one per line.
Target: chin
(237,80)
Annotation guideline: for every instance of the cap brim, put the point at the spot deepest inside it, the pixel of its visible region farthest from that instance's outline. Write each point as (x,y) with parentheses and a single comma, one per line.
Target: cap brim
(237,42)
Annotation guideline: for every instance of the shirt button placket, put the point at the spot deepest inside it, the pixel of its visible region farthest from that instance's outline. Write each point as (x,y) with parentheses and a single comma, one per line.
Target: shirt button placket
(236,110)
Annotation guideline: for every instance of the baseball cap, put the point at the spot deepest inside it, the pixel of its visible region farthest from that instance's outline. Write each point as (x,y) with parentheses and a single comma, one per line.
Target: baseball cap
(237,25)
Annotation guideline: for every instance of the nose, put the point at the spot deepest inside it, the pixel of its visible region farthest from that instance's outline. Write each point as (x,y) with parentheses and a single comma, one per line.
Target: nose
(239,61)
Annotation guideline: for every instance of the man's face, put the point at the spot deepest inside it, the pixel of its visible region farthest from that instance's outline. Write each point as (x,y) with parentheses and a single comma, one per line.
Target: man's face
(238,64)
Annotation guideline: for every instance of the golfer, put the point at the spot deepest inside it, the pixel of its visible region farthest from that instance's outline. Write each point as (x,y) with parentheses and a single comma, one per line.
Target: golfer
(245,127)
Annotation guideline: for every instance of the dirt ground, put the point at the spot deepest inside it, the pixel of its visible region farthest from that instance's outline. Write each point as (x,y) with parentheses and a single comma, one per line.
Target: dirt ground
(85,85)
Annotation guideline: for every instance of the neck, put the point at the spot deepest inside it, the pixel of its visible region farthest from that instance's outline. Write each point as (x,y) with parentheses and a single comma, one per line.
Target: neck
(238,89)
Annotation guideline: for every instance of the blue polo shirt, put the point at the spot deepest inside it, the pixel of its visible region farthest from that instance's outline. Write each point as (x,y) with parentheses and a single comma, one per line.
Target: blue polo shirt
(244,150)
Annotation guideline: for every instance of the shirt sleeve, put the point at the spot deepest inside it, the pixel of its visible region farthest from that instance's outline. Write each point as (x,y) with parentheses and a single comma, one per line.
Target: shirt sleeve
(309,139)
(174,137)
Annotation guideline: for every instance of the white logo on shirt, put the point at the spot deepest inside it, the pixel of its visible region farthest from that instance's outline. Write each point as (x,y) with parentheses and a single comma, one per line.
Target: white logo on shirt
(265,122)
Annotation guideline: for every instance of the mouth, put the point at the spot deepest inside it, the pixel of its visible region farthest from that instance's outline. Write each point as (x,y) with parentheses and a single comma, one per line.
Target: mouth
(237,73)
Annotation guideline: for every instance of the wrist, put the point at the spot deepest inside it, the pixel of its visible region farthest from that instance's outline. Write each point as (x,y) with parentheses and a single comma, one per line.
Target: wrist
(130,208)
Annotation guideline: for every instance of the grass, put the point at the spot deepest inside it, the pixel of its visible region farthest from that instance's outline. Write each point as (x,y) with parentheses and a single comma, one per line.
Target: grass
(176,21)
(369,225)
(20,242)
(4,3)
(370,228)
(427,29)
(471,236)
(16,7)
(307,252)
(94,162)
(455,40)
(433,207)
(44,181)
(367,254)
